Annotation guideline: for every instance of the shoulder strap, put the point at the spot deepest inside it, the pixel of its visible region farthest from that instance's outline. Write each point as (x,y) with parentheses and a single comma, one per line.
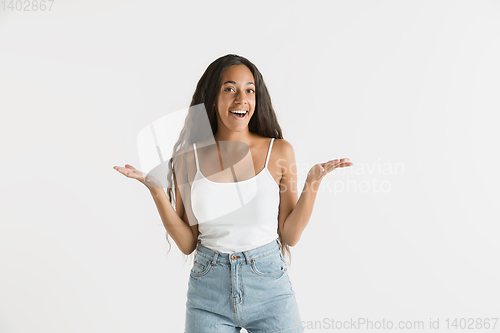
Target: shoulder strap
(196,156)
(269,151)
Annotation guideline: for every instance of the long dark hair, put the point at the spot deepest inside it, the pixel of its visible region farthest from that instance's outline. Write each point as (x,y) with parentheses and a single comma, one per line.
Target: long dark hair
(263,122)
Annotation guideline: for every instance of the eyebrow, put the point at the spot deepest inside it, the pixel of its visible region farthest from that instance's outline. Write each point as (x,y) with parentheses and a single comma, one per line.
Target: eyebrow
(235,82)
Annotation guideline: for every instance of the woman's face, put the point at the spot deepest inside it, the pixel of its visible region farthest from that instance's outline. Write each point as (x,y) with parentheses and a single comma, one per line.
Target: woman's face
(237,92)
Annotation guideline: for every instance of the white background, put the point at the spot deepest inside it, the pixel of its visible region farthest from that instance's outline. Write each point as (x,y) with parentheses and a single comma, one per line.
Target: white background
(408,90)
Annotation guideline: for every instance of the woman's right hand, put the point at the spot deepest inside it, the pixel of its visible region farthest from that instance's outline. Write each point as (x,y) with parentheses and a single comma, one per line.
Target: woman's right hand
(131,172)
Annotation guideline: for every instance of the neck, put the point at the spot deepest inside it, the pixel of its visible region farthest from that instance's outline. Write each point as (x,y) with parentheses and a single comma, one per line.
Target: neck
(243,136)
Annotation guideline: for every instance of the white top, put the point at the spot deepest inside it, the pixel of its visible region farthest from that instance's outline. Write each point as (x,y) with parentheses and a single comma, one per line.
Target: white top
(237,216)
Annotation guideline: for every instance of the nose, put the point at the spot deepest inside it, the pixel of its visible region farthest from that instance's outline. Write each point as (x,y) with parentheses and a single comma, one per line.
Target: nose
(240,97)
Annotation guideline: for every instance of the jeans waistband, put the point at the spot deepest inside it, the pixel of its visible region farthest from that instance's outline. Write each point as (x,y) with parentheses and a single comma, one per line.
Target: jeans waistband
(227,258)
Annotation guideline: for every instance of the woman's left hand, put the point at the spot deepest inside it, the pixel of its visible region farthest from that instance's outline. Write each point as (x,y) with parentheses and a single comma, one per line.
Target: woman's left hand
(320,170)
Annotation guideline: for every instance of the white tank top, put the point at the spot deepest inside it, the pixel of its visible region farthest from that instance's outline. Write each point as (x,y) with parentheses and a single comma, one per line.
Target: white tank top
(237,216)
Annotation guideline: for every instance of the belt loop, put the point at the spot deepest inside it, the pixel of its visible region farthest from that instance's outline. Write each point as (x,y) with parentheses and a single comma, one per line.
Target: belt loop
(279,245)
(214,260)
(247,258)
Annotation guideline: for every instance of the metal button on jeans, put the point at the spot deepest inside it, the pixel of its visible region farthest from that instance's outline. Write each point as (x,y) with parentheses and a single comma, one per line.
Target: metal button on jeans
(233,257)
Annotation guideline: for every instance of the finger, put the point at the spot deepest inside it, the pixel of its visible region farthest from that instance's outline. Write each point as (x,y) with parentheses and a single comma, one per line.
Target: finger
(335,164)
(340,165)
(343,160)
(128,166)
(329,164)
(123,171)
(330,167)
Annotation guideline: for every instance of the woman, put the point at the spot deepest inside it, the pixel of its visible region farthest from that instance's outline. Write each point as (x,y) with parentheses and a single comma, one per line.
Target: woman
(239,220)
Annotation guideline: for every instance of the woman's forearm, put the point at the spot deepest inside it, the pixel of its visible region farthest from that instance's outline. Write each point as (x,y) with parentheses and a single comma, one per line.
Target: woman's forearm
(297,220)
(179,230)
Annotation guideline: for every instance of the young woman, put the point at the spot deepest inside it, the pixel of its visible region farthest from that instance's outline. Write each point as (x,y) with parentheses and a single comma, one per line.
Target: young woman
(236,204)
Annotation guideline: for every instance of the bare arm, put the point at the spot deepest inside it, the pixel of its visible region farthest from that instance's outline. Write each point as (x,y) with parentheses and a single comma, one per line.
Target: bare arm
(299,217)
(295,215)
(178,228)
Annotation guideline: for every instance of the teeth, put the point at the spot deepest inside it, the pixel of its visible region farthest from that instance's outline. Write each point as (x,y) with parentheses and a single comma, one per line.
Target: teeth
(240,112)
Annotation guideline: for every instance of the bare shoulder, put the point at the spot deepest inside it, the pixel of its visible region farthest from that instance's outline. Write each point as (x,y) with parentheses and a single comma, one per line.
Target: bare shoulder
(284,154)
(284,148)
(283,144)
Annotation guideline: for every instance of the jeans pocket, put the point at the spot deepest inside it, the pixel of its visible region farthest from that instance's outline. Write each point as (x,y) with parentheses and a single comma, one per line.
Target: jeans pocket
(283,260)
(201,265)
(271,265)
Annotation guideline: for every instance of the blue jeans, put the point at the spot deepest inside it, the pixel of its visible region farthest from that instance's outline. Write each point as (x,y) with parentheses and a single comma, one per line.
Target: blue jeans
(250,289)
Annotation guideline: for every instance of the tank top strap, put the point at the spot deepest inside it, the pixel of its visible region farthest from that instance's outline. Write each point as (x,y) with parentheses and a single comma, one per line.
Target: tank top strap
(269,152)
(196,157)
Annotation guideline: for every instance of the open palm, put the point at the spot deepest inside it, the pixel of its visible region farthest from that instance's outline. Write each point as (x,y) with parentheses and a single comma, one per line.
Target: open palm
(320,170)
(131,172)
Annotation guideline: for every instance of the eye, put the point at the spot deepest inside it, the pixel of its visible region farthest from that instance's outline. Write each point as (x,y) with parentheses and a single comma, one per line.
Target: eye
(252,91)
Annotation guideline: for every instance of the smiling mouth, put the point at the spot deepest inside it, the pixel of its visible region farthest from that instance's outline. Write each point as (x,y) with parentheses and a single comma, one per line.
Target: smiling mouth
(239,114)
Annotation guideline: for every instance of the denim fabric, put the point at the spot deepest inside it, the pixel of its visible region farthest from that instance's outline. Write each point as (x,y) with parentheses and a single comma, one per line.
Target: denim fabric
(250,289)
